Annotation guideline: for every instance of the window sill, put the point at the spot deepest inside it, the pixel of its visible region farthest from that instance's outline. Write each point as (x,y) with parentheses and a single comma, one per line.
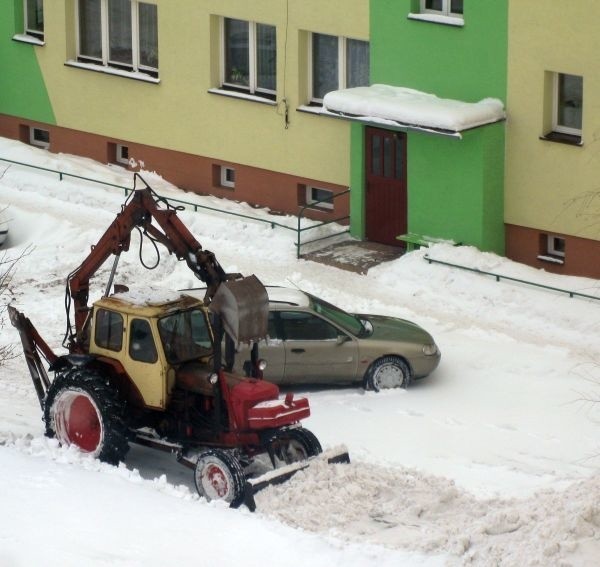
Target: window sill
(314,109)
(24,38)
(243,96)
(438,19)
(561,138)
(551,259)
(135,75)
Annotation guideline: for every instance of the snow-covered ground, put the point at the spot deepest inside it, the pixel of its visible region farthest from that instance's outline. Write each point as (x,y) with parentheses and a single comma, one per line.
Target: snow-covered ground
(491,460)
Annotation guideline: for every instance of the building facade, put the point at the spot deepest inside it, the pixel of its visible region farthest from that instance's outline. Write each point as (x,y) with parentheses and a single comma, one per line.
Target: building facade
(231,100)
(553,158)
(213,101)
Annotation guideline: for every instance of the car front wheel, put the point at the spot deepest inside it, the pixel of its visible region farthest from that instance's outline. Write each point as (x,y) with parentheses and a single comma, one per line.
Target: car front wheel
(387,372)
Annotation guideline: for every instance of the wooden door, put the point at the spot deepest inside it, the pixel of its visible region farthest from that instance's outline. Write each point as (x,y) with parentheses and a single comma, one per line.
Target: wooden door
(386,197)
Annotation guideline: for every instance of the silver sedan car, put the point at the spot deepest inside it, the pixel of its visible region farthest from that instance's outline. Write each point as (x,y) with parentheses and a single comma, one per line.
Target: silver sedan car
(314,342)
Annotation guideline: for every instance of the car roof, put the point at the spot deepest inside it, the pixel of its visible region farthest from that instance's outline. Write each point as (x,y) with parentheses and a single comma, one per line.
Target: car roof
(277,295)
(287,295)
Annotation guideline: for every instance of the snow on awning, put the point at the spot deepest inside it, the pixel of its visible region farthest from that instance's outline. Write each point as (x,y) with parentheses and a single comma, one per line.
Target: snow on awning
(412,109)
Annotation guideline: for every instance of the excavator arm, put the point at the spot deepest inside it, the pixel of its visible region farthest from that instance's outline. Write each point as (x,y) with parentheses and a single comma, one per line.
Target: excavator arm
(143,211)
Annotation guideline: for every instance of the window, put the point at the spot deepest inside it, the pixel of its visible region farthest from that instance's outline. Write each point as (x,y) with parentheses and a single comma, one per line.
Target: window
(122,154)
(109,330)
(556,245)
(321,198)
(300,326)
(452,8)
(227,176)
(249,57)
(141,343)
(118,33)
(39,137)
(568,104)
(185,336)
(337,63)
(34,18)
(552,248)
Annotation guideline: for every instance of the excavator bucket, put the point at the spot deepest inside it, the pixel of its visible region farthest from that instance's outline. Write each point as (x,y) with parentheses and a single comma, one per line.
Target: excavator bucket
(243,306)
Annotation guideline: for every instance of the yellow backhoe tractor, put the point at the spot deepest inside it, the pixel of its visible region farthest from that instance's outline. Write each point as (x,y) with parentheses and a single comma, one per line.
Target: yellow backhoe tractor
(149,368)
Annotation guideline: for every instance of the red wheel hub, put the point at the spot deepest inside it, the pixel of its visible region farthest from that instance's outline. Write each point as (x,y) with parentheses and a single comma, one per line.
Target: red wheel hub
(78,422)
(218,480)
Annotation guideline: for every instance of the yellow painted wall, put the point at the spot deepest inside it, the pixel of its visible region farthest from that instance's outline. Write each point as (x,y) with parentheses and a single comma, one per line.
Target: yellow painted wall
(547,183)
(181,115)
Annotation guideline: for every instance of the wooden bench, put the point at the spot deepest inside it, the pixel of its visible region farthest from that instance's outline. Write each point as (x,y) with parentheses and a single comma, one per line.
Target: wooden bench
(415,241)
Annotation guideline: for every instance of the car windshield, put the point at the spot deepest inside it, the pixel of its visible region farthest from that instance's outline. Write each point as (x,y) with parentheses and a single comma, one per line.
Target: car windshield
(347,321)
(185,336)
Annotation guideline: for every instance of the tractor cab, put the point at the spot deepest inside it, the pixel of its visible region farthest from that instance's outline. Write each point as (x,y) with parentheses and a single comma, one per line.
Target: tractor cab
(153,339)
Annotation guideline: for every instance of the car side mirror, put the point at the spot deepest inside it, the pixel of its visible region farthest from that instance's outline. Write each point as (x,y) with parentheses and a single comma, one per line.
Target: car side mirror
(341,339)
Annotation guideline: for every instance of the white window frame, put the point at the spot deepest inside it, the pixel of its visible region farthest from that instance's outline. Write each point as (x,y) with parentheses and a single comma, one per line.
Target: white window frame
(311,201)
(30,32)
(119,154)
(34,141)
(551,245)
(445,11)
(225,181)
(136,66)
(556,127)
(253,87)
(342,64)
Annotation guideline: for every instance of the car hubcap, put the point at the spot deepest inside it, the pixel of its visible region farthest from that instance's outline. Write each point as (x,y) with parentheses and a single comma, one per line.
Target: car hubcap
(389,376)
(77,421)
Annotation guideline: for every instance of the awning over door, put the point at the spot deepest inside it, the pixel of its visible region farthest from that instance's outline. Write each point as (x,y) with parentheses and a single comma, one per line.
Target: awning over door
(401,107)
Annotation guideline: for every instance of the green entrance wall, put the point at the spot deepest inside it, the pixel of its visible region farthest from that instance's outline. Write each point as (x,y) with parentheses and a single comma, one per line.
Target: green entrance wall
(457,194)
(22,89)
(455,186)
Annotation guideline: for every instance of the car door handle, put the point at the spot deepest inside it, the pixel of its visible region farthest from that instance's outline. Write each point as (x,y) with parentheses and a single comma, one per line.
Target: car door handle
(298,350)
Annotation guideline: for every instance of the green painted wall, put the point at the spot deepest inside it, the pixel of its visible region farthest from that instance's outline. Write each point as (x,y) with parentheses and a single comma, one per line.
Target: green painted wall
(467,63)
(22,89)
(459,196)
(455,187)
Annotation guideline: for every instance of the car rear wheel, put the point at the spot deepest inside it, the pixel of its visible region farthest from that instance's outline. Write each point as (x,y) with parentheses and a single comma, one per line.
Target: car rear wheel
(387,372)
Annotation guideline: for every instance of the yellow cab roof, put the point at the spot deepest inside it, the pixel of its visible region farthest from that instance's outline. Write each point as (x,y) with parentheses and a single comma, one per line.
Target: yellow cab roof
(148,302)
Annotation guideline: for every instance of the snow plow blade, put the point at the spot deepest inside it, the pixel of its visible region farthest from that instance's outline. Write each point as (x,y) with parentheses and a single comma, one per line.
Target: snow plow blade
(337,455)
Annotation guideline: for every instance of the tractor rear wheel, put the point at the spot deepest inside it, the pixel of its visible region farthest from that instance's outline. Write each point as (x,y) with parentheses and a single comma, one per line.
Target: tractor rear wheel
(293,445)
(82,409)
(219,476)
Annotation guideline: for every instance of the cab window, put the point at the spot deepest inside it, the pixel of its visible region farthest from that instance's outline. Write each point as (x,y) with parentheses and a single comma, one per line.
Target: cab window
(185,336)
(141,342)
(109,330)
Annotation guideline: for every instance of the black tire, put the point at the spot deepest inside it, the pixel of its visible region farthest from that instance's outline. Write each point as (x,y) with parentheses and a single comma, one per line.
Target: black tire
(292,445)
(219,476)
(82,409)
(387,372)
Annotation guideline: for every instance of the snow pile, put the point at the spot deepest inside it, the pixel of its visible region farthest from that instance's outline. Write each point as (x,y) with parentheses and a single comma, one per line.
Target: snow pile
(405,509)
(414,108)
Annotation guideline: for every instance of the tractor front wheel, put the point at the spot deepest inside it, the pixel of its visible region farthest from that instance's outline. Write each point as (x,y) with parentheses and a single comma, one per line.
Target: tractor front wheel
(82,409)
(219,476)
(293,445)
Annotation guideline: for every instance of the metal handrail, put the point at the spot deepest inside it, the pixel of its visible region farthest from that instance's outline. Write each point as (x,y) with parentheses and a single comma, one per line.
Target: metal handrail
(312,205)
(299,230)
(500,277)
